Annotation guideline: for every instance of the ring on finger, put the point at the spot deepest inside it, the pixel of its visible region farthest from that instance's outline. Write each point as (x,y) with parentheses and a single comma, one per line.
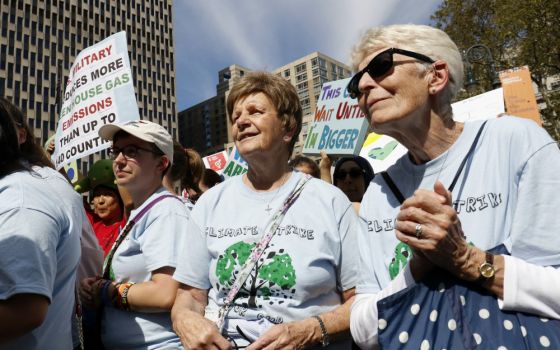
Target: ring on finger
(418,230)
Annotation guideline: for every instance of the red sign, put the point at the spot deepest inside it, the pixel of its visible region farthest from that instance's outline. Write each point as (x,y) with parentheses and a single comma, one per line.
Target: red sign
(216,161)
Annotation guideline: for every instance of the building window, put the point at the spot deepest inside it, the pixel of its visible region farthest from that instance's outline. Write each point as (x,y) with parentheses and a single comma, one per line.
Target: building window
(301,77)
(300,68)
(286,73)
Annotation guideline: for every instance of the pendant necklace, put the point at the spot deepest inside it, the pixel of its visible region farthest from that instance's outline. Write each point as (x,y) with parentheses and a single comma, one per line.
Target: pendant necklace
(268,207)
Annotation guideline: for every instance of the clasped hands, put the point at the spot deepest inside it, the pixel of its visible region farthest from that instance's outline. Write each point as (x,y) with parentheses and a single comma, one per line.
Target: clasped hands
(429,224)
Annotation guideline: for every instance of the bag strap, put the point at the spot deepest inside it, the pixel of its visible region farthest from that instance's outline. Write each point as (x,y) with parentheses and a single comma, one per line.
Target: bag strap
(471,150)
(109,259)
(398,194)
(258,249)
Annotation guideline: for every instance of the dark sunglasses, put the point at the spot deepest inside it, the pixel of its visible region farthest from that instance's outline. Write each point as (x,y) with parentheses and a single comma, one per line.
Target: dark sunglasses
(130,151)
(354,173)
(379,66)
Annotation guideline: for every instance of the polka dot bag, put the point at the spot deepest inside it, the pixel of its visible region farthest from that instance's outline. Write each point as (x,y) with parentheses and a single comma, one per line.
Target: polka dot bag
(443,312)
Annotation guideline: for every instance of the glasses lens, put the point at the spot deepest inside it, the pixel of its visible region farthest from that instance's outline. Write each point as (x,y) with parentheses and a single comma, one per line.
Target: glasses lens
(355,173)
(113,153)
(380,64)
(352,87)
(130,151)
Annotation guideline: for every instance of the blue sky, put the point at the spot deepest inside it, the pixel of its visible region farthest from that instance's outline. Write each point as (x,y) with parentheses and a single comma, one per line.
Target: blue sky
(213,34)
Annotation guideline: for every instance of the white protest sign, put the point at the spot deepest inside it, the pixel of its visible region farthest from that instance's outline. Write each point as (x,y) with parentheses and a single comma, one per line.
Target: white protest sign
(99,91)
(339,126)
(235,165)
(480,107)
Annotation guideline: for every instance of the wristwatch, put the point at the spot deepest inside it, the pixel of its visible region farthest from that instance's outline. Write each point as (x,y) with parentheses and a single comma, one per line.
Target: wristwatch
(487,269)
(325,338)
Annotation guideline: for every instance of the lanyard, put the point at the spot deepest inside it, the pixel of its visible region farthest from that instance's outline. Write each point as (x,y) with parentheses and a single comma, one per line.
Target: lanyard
(258,250)
(109,259)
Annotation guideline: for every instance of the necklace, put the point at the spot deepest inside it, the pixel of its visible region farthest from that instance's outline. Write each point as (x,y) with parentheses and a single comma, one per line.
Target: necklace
(268,207)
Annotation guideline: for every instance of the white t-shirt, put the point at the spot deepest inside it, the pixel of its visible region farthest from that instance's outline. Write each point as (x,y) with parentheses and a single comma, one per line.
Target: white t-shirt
(40,227)
(507,193)
(152,243)
(309,261)
(504,195)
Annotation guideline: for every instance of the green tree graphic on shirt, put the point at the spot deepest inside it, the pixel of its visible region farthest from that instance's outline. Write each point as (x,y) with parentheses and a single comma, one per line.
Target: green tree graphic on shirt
(402,254)
(273,274)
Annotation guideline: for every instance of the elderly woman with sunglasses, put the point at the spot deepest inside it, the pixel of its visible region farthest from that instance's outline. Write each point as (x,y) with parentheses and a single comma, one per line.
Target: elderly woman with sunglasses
(137,290)
(462,189)
(269,259)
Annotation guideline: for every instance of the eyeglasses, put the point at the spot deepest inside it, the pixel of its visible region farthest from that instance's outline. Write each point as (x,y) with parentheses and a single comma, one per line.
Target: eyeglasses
(379,66)
(129,151)
(354,174)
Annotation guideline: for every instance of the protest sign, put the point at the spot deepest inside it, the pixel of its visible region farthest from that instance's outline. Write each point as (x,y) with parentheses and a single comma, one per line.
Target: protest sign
(480,107)
(339,126)
(381,151)
(519,95)
(235,165)
(216,161)
(99,90)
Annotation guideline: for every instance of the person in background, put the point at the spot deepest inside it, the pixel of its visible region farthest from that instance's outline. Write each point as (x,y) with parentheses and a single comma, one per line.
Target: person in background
(173,179)
(41,220)
(467,221)
(137,290)
(299,292)
(195,172)
(353,175)
(108,215)
(305,165)
(209,180)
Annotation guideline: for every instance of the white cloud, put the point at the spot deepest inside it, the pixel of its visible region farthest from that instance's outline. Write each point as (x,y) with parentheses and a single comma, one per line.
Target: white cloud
(212,34)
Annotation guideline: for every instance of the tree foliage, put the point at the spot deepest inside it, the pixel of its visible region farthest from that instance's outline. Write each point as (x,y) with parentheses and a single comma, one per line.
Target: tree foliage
(518,33)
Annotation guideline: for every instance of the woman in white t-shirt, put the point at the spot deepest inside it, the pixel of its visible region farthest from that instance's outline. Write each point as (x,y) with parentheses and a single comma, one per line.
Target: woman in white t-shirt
(41,220)
(299,292)
(137,289)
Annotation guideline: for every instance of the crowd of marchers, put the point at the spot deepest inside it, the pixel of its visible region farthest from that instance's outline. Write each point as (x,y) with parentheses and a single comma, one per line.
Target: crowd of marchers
(150,250)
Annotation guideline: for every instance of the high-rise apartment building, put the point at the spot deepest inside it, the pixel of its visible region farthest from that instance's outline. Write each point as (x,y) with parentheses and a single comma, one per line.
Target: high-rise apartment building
(308,74)
(206,127)
(39,41)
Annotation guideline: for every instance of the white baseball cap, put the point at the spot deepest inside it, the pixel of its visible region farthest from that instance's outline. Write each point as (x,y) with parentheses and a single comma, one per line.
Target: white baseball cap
(144,130)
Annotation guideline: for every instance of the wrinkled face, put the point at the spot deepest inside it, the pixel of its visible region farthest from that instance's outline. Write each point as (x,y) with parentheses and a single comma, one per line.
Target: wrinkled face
(350,179)
(106,204)
(395,98)
(140,172)
(256,127)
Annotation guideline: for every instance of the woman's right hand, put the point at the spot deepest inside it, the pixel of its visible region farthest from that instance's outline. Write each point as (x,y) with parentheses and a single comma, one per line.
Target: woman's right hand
(197,332)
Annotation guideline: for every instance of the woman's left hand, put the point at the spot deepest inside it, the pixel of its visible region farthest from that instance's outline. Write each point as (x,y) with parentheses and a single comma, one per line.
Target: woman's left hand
(429,224)
(292,335)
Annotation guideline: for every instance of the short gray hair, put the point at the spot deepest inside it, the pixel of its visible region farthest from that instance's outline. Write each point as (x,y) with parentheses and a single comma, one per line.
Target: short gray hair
(423,39)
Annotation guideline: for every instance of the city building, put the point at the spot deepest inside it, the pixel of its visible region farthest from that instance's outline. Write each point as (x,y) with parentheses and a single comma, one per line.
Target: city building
(39,41)
(205,126)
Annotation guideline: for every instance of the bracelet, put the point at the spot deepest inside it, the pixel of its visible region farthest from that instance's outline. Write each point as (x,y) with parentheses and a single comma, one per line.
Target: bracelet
(121,300)
(325,338)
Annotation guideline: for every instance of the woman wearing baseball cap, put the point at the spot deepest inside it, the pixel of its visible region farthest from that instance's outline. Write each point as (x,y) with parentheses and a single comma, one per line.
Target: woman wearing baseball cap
(136,291)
